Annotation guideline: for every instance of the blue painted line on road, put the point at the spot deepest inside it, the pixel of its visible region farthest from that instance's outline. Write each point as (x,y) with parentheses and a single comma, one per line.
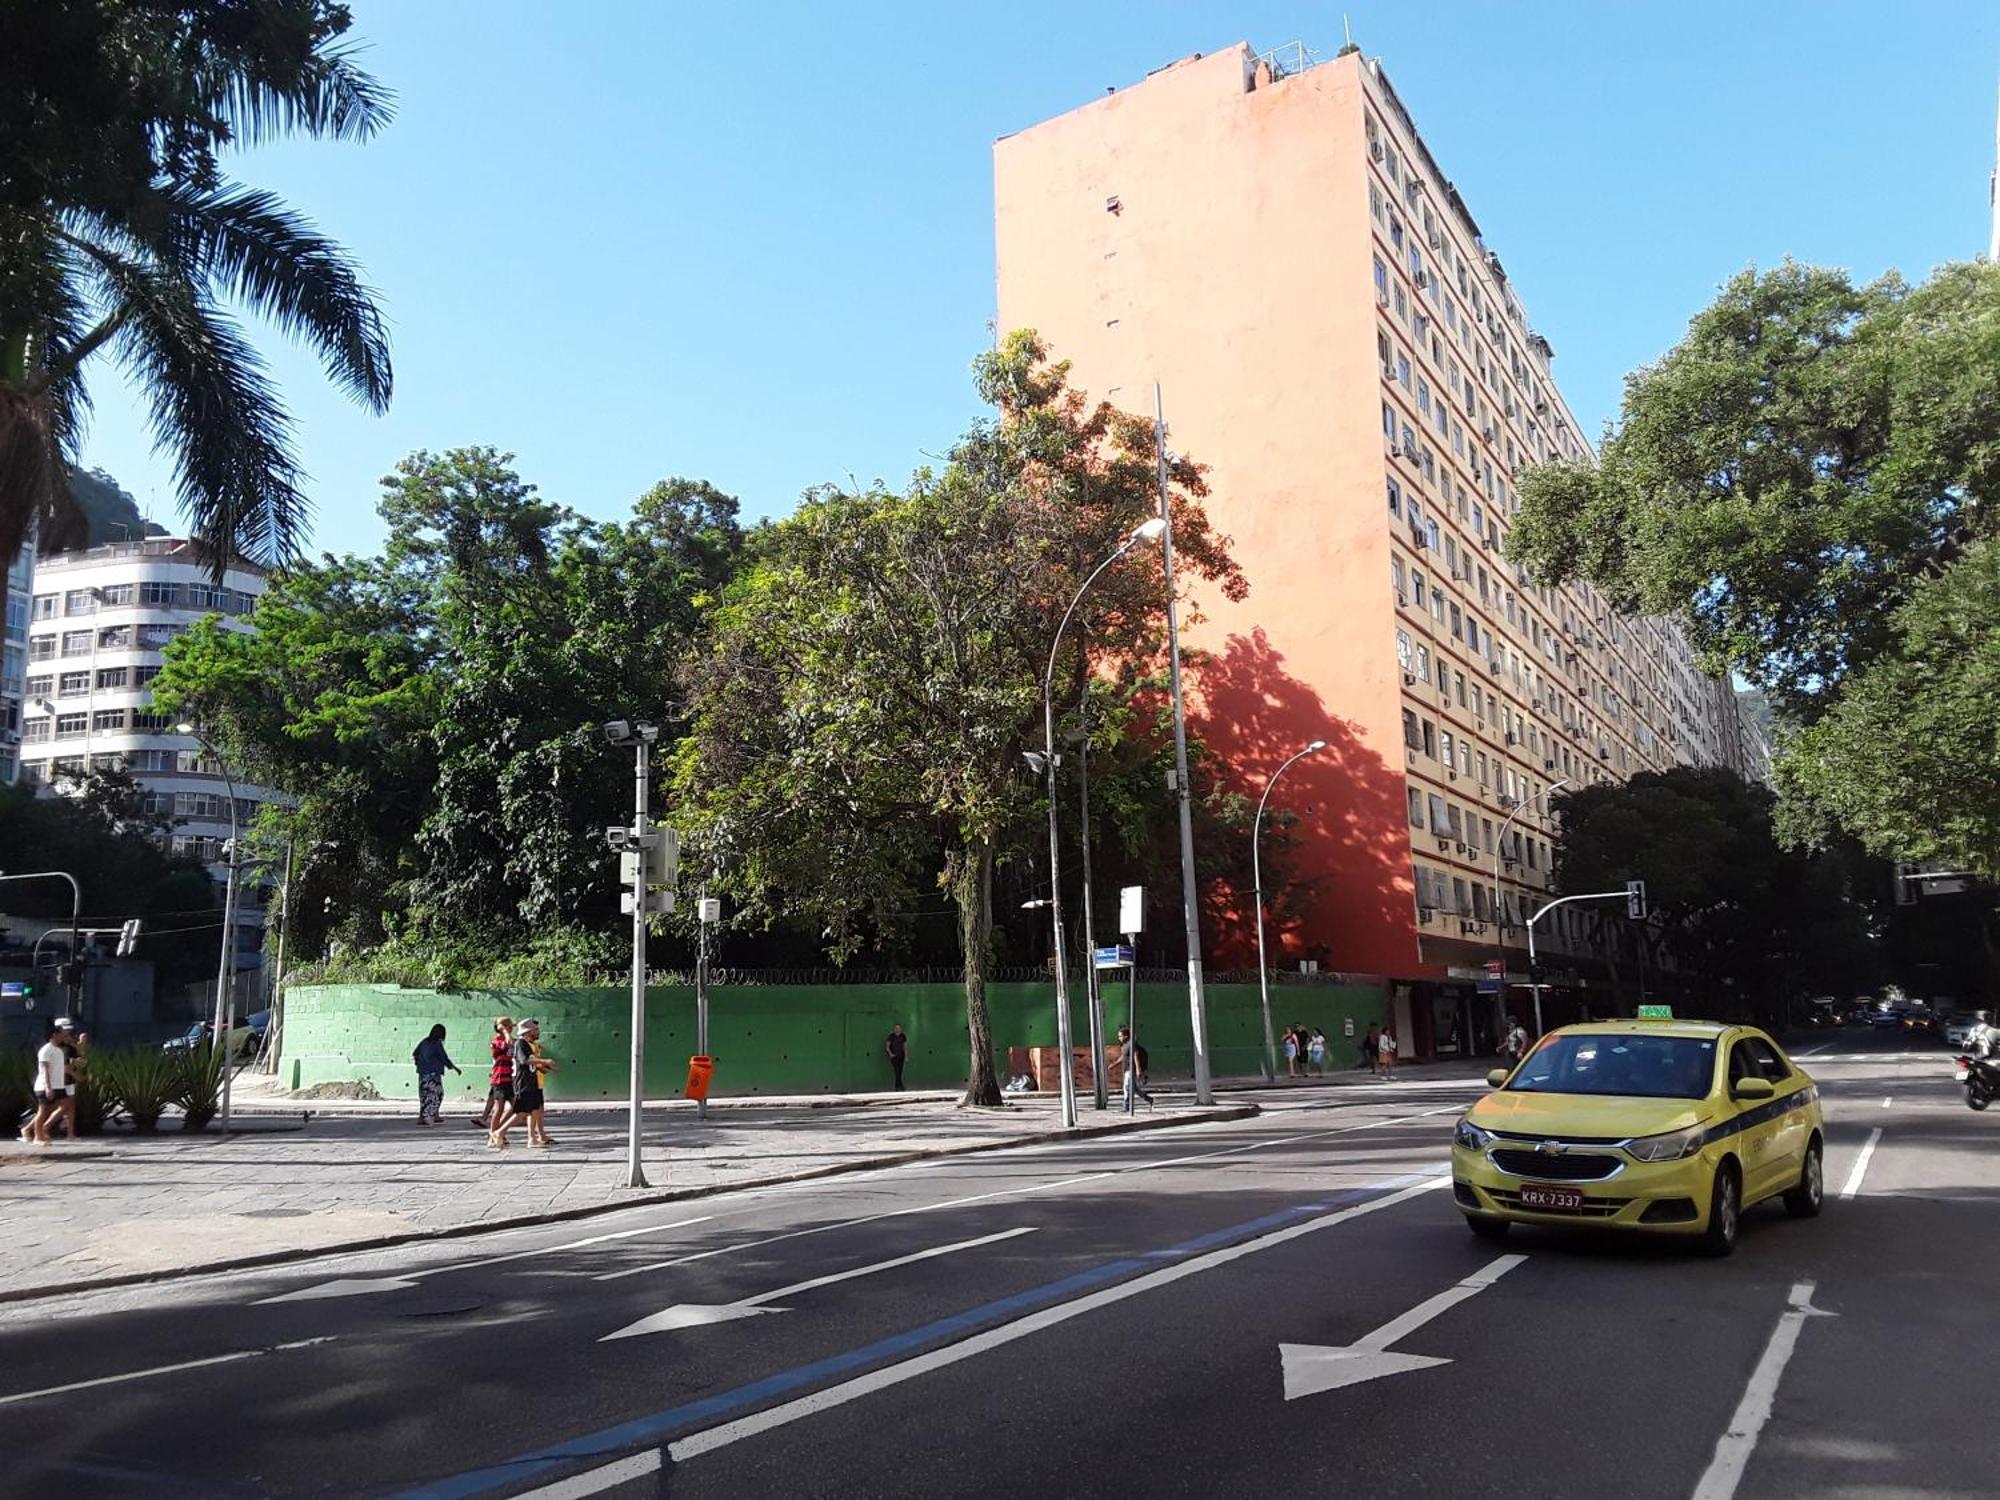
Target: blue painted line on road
(659,1426)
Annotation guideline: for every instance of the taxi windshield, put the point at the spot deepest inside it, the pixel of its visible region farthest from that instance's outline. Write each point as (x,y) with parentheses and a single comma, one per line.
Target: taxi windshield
(1646,1067)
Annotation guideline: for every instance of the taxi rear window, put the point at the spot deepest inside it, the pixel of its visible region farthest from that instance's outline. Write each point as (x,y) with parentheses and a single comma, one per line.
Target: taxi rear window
(1646,1067)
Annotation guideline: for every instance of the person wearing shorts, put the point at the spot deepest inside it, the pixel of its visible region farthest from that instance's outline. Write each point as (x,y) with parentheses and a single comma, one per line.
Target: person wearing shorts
(527,1076)
(500,1078)
(50,1084)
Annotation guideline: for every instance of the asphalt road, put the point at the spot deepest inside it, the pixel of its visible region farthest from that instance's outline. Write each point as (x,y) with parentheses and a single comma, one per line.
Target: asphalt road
(1285,1305)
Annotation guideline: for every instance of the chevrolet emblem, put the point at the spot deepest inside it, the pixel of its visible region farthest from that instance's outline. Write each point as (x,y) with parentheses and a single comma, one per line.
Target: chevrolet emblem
(1549,1148)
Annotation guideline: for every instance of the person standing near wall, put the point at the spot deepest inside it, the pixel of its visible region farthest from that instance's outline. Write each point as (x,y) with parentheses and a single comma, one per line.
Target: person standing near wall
(897,1048)
(432,1060)
(500,1078)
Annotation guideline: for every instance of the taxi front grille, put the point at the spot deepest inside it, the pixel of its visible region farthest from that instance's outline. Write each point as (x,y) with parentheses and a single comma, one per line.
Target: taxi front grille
(1567,1166)
(1593,1208)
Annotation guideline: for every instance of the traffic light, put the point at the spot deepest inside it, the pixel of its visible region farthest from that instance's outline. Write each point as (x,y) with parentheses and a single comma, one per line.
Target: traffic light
(128,938)
(70,973)
(1535,973)
(1635,900)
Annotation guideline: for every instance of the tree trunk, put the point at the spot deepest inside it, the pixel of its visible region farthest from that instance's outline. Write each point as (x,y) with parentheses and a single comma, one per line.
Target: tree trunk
(1610,937)
(971,878)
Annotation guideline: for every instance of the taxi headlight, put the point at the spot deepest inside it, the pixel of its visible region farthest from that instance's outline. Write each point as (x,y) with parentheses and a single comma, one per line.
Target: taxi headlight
(1671,1147)
(1471,1137)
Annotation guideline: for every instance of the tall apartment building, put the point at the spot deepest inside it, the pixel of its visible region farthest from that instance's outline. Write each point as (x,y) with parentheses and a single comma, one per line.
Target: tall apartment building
(1271,240)
(16,585)
(99,621)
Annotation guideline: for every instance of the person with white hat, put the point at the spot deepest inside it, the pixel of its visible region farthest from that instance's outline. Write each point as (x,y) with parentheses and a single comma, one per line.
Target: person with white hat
(51,1083)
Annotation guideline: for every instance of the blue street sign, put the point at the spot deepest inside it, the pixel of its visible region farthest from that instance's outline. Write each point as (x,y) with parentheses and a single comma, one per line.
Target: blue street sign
(1114,958)
(1489,986)
(12,989)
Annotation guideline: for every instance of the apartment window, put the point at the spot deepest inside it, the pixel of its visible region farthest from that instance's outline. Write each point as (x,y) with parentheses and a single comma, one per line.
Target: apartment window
(1459,900)
(116,593)
(207,596)
(114,636)
(1424,662)
(1417,588)
(67,765)
(150,760)
(1389,421)
(1381,278)
(206,806)
(1395,497)
(148,723)
(41,648)
(1444,748)
(1402,304)
(112,762)
(113,677)
(1392,165)
(1416,807)
(1480,761)
(78,602)
(1458,686)
(143,675)
(71,726)
(1423,396)
(76,643)
(1395,231)
(1412,734)
(1440,820)
(155,637)
(159,593)
(1429,729)
(45,604)
(1396,576)
(1457,822)
(40,687)
(73,685)
(35,730)
(1375,202)
(1479,903)
(1430,526)
(1403,368)
(1457,627)
(108,718)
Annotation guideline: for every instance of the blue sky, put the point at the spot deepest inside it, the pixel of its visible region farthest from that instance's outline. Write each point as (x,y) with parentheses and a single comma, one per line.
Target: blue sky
(754,243)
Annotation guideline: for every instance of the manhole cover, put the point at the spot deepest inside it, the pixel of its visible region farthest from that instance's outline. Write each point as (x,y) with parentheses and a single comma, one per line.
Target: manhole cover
(274,1213)
(442,1309)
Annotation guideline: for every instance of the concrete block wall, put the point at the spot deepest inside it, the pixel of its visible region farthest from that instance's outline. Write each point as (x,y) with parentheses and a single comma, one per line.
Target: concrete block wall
(781,1039)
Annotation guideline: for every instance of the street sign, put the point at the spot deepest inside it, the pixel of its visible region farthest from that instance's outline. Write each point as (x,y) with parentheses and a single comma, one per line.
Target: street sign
(1132,910)
(1489,986)
(1116,957)
(13,989)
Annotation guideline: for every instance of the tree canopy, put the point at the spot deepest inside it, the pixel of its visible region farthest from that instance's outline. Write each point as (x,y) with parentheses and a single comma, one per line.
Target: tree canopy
(1808,483)
(876,669)
(120,234)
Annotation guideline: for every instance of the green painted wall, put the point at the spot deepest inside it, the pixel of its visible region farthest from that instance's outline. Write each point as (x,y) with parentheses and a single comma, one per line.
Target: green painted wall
(780,1039)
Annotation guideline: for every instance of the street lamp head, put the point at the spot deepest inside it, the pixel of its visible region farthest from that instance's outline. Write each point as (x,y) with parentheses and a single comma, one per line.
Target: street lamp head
(1317,745)
(1146,530)
(184,727)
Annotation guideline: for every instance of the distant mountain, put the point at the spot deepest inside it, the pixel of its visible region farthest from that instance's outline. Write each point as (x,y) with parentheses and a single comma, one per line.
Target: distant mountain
(112,512)
(1757,709)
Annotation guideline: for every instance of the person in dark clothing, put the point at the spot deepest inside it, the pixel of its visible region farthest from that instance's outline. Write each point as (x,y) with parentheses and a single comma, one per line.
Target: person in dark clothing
(1371,1046)
(431,1060)
(898,1049)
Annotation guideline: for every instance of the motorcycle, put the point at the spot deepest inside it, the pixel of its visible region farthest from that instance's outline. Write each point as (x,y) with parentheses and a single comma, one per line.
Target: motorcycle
(1981,1077)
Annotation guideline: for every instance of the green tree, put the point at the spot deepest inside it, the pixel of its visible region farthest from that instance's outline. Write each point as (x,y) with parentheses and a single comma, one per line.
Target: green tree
(120,234)
(1747,920)
(875,671)
(1795,482)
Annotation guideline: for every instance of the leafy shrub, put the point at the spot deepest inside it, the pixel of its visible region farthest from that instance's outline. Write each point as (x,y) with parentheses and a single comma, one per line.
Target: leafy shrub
(555,958)
(141,1081)
(198,1086)
(17,1094)
(95,1101)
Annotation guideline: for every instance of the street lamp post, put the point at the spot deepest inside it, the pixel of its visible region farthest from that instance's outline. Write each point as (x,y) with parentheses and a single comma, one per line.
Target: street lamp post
(1144,531)
(1190,895)
(1257,882)
(642,849)
(1499,927)
(1092,984)
(225,966)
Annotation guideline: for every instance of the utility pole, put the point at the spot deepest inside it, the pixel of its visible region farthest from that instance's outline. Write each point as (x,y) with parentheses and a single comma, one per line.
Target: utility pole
(1094,986)
(1190,896)
(647,856)
(708,910)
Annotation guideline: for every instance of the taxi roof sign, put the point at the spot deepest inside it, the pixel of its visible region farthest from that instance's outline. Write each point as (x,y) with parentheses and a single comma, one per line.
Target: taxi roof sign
(1656,1012)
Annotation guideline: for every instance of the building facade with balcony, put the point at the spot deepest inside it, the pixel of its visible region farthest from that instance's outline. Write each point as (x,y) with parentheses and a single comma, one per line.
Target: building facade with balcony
(1271,241)
(98,622)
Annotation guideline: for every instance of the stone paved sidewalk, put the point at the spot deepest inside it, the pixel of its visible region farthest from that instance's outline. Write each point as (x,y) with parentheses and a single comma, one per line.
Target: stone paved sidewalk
(123,1207)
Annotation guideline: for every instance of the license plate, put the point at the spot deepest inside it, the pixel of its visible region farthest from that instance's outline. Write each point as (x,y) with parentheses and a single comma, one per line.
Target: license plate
(1552,1199)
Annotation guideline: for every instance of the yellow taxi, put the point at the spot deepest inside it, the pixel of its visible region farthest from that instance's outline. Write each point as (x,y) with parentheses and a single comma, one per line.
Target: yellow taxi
(1668,1126)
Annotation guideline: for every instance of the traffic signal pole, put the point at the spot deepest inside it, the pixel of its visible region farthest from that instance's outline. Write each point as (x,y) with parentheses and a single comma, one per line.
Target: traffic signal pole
(75,925)
(1634,897)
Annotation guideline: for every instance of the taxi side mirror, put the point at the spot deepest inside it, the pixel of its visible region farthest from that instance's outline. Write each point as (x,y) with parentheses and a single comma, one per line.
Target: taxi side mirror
(1497,1077)
(1753,1088)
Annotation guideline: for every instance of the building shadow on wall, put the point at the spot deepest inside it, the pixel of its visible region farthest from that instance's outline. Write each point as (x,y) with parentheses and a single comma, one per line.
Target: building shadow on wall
(1336,876)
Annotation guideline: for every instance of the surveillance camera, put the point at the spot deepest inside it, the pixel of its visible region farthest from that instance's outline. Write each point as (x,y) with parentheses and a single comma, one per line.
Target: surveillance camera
(619,731)
(617,837)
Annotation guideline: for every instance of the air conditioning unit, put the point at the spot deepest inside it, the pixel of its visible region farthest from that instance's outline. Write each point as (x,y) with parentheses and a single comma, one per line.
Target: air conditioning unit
(1452,775)
(1548,765)
(1493,668)
(1538,704)
(1381,297)
(1489,543)
(1436,239)
(1424,914)
(1375,150)
(1423,280)
(1444,846)
(1541,406)
(1513,739)
(1603,753)
(1401,598)
(1409,679)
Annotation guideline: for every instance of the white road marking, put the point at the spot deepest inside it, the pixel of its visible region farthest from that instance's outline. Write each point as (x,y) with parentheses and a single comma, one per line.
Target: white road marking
(1312,1368)
(1739,1441)
(594,1481)
(191,1364)
(692,1314)
(1813,1051)
(355,1286)
(1016,1192)
(909,1369)
(1887,1100)
(1861,1164)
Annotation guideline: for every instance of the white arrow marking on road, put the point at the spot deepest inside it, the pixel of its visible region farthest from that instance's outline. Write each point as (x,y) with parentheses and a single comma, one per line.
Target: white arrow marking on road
(1312,1368)
(1734,1447)
(695,1314)
(360,1285)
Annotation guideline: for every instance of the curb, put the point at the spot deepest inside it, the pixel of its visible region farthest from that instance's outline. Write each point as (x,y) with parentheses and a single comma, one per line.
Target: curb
(587,1211)
(371,1109)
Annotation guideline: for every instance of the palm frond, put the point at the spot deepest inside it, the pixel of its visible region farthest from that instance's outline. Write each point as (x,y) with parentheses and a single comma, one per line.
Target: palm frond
(249,242)
(214,409)
(320,93)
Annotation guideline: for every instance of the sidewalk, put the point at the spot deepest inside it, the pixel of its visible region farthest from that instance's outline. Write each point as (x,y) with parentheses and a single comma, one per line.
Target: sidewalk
(123,1208)
(1474,1070)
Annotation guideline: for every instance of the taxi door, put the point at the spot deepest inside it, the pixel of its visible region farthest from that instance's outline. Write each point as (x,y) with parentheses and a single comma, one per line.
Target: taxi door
(1794,1125)
(1759,1126)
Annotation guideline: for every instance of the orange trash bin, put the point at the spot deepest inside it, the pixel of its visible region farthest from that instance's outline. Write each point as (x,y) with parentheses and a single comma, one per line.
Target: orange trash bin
(700,1071)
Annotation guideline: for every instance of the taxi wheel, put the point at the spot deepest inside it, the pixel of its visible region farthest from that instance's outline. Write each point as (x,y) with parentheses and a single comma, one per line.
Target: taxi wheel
(1487,1229)
(1725,1213)
(1805,1200)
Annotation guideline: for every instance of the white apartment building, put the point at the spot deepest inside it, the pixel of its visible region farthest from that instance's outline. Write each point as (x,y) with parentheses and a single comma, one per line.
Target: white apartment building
(98,621)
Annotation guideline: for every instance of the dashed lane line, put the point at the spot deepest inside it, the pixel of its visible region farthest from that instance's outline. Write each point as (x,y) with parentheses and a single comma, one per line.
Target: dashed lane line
(1861,1164)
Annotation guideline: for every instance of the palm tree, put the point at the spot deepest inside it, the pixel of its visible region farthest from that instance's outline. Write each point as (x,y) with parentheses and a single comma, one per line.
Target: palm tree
(121,236)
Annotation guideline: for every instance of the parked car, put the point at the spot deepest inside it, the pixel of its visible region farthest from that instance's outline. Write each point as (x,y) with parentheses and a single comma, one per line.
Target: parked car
(1887,1018)
(246,1037)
